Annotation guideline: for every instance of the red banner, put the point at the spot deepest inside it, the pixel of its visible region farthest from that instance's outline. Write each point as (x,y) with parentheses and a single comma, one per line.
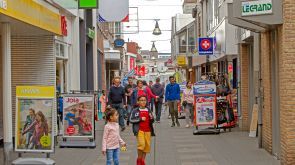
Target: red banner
(131,66)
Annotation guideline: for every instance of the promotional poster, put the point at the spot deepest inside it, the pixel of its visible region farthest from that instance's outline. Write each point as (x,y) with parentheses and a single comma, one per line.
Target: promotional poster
(206,110)
(78,113)
(34,125)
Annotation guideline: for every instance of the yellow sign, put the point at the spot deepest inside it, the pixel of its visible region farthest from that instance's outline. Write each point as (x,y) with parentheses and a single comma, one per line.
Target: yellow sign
(181,60)
(45,141)
(35,91)
(33,13)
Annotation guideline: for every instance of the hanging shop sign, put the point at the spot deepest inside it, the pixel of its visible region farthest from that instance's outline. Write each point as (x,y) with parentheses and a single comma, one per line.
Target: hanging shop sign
(34,119)
(32,13)
(119,43)
(88,4)
(206,46)
(181,60)
(78,116)
(260,7)
(64,29)
(91,33)
(132,63)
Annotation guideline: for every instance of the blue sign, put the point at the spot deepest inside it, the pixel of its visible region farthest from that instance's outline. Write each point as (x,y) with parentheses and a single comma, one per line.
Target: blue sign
(119,43)
(204,87)
(206,46)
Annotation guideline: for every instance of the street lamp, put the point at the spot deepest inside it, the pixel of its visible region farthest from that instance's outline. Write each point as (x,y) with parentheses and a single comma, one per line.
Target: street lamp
(154,49)
(157,30)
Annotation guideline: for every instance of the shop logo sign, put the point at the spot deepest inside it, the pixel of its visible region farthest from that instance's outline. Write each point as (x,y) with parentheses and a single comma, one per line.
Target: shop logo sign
(256,7)
(206,46)
(3,4)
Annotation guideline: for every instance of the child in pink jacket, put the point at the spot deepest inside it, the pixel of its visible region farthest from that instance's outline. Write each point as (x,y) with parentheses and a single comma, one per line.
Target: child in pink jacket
(112,140)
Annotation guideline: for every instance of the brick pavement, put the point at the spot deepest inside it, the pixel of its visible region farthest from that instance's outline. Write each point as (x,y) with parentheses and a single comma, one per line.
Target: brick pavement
(175,146)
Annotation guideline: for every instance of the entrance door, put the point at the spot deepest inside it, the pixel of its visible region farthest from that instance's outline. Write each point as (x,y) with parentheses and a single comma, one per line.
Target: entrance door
(276,138)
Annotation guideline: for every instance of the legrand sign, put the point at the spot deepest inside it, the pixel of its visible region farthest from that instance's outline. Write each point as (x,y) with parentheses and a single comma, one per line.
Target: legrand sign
(256,7)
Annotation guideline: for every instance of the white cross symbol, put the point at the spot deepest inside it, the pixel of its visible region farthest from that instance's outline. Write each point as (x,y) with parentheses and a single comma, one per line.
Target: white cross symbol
(206,44)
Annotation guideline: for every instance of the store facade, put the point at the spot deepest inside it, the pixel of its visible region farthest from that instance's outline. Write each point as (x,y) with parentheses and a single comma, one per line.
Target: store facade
(274,29)
(27,53)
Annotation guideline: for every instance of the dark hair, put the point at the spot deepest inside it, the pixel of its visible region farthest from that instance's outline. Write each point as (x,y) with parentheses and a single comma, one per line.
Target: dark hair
(130,78)
(170,77)
(188,82)
(158,79)
(139,97)
(110,112)
(139,81)
(144,82)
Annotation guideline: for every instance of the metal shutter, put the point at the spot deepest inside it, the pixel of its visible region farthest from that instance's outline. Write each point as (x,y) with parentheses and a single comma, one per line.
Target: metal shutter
(33,63)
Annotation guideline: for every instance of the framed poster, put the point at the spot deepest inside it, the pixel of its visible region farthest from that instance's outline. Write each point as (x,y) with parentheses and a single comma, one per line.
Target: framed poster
(78,116)
(205,110)
(34,119)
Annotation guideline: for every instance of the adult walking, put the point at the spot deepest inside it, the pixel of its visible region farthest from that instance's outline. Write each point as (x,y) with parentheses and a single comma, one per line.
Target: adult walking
(152,101)
(187,103)
(142,90)
(117,100)
(172,98)
(158,90)
(128,92)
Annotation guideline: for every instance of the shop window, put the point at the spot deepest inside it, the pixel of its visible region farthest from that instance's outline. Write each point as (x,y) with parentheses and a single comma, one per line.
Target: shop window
(61,50)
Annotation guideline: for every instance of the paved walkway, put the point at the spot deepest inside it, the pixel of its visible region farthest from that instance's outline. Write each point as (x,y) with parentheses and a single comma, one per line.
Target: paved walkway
(175,146)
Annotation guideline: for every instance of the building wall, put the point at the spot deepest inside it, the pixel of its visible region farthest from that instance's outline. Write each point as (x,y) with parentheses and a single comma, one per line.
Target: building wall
(244,59)
(266,82)
(287,83)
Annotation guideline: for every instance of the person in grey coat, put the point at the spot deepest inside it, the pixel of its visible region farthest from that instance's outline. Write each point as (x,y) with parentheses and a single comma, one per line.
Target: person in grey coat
(158,90)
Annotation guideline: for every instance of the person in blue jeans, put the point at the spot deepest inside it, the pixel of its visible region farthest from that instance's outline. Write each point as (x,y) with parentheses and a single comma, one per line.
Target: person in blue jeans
(117,100)
(172,98)
(112,140)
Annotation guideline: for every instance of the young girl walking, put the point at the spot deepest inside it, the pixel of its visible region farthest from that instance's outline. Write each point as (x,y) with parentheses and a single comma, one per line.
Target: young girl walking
(112,140)
(142,119)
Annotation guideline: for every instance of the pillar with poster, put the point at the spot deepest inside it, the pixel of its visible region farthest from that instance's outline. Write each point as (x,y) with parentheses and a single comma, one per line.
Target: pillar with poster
(205,108)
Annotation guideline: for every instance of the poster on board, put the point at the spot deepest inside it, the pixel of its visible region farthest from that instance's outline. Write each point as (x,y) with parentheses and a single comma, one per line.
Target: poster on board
(78,116)
(205,110)
(34,119)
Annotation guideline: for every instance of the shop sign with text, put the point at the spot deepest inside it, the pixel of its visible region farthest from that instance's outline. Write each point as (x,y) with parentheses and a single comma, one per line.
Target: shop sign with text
(256,7)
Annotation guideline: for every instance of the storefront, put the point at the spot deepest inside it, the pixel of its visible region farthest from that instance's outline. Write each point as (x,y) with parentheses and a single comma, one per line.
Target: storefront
(263,56)
(27,52)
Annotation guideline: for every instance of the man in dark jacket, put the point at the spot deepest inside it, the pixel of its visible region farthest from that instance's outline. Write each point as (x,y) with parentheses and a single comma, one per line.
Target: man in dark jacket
(117,100)
(158,90)
(172,98)
(129,88)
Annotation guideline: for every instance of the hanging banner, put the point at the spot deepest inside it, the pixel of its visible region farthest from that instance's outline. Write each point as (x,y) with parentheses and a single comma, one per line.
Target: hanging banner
(78,115)
(113,11)
(34,119)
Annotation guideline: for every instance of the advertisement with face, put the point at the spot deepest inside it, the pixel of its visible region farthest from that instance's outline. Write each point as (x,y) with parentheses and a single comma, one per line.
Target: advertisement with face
(78,113)
(34,118)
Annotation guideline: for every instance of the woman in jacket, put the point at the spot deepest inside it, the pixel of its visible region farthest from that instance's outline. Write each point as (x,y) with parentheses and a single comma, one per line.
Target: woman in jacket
(187,103)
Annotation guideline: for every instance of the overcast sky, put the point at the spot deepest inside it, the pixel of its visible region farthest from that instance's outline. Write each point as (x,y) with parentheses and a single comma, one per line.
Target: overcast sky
(147,11)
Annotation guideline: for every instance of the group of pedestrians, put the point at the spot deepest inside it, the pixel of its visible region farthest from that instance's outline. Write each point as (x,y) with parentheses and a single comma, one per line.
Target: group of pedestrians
(135,103)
